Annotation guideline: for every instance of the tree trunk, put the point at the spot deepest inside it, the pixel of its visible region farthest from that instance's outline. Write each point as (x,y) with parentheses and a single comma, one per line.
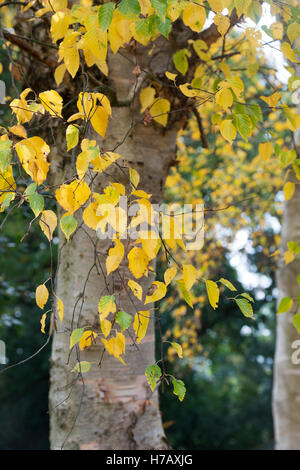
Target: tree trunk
(286,390)
(114,408)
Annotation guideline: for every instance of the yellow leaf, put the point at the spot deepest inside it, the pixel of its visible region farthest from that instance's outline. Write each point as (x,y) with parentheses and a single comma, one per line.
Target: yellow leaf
(18,130)
(277,30)
(147,97)
(106,306)
(272,100)
(59,25)
(293,31)
(187,90)
(48,223)
(289,189)
(158,294)
(60,309)
(72,136)
(41,295)
(115,256)
(159,111)
(115,346)
(33,154)
(52,102)
(169,275)
(134,177)
(189,275)
(72,196)
(219,5)
(171,76)
(136,289)
(178,349)
(224,98)
(99,120)
(59,73)
(213,293)
(265,150)
(288,257)
(140,324)
(194,16)
(288,52)
(105,327)
(222,22)
(87,339)
(138,262)
(43,322)
(90,217)
(228,130)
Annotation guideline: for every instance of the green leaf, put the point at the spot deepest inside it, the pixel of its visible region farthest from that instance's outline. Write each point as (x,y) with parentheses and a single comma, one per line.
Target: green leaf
(68,224)
(286,304)
(129,8)
(153,373)
(160,7)
(75,336)
(180,61)
(5,154)
(247,296)
(296,322)
(7,200)
(243,124)
(293,247)
(179,388)
(185,292)
(255,114)
(105,14)
(36,202)
(164,27)
(123,319)
(31,189)
(245,307)
(227,283)
(82,366)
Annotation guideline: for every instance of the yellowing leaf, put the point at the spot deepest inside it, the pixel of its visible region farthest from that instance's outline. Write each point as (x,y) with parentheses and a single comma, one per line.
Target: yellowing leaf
(136,289)
(289,189)
(68,224)
(140,324)
(52,102)
(186,295)
(222,22)
(105,327)
(72,136)
(178,349)
(138,262)
(106,306)
(171,76)
(277,30)
(43,322)
(158,294)
(288,257)
(147,97)
(169,275)
(228,130)
(213,293)
(48,223)
(87,339)
(224,98)
(115,256)
(72,196)
(115,346)
(41,295)
(159,111)
(60,309)
(134,177)
(189,275)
